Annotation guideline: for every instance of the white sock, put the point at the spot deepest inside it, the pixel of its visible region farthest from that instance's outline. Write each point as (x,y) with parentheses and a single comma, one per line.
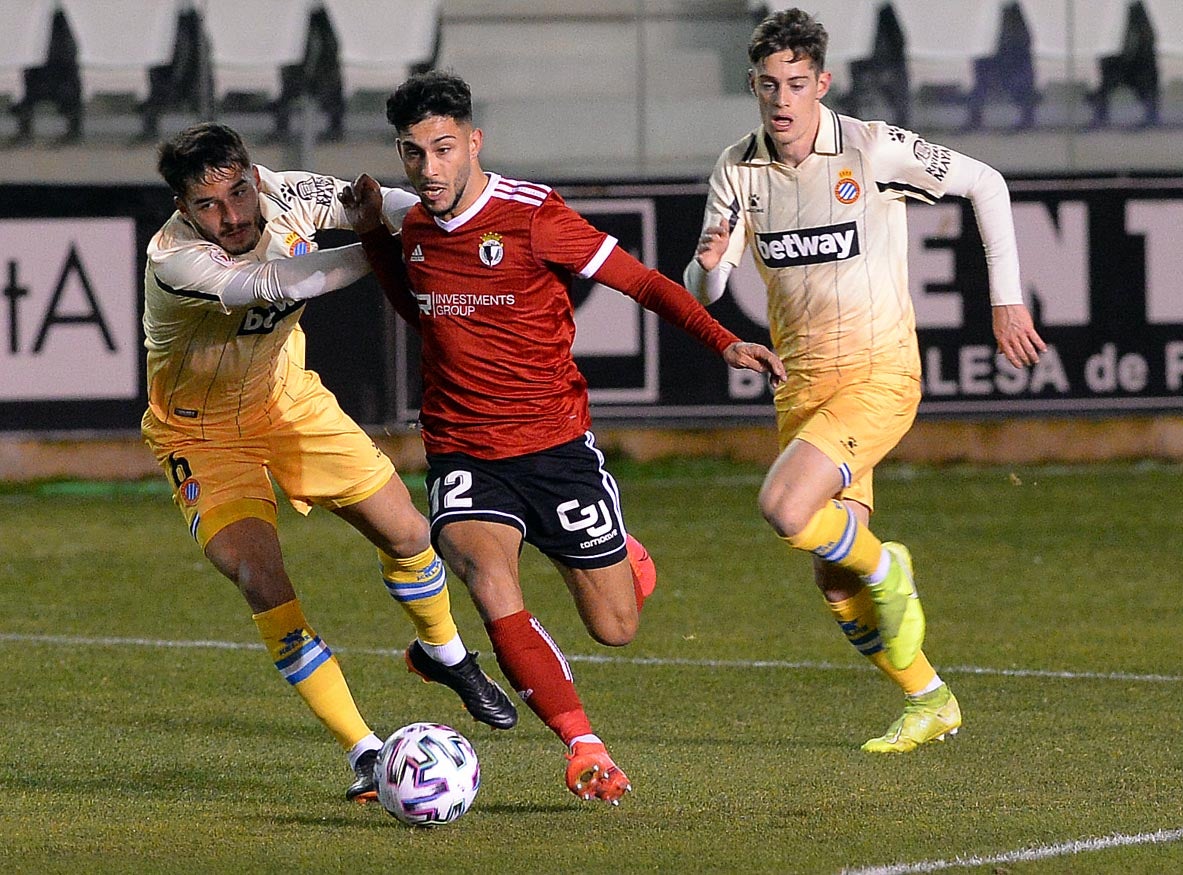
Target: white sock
(584,739)
(881,569)
(370,742)
(449,654)
(934,684)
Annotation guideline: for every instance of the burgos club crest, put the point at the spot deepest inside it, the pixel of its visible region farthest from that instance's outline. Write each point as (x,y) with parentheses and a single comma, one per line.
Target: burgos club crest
(847,190)
(491,250)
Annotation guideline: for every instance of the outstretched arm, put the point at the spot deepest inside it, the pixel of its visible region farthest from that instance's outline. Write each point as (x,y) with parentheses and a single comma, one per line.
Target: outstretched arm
(674,304)
(295,279)
(363,206)
(1014,329)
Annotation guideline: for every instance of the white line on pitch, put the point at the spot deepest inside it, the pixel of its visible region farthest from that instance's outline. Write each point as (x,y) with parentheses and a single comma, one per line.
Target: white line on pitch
(808,665)
(1026,855)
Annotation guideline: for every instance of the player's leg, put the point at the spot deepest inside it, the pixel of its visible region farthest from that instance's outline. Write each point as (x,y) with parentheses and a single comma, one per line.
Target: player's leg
(872,417)
(323,457)
(229,506)
(931,712)
(827,446)
(574,518)
(247,552)
(605,600)
(414,576)
(484,555)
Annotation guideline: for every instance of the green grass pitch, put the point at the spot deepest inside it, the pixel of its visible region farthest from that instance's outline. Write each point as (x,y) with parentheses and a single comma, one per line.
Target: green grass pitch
(142,728)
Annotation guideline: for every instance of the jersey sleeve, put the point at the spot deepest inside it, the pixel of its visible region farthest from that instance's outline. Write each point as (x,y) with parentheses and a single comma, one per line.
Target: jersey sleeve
(725,204)
(562,237)
(654,291)
(196,274)
(395,203)
(314,195)
(384,253)
(907,165)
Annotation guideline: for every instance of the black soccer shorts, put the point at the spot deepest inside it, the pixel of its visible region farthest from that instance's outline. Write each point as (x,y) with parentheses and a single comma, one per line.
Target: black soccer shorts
(562,500)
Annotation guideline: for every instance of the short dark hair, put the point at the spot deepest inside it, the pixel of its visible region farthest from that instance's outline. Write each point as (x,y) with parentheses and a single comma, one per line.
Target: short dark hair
(191,154)
(792,30)
(427,94)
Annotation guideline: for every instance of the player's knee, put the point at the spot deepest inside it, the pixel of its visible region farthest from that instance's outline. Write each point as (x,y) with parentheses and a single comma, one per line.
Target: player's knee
(615,631)
(786,516)
(262,586)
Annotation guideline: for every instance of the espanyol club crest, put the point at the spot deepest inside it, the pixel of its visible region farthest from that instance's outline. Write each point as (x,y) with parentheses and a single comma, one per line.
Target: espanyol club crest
(847,190)
(189,491)
(491,250)
(296,244)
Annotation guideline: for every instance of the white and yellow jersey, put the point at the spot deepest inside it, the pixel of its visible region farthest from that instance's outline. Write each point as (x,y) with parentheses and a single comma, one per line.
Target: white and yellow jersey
(213,370)
(830,240)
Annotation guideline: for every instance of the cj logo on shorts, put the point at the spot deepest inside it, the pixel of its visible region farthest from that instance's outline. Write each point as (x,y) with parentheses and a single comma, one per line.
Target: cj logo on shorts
(593,519)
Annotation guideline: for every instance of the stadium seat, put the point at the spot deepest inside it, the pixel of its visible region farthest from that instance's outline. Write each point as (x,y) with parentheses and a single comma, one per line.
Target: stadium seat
(882,75)
(1133,66)
(54,80)
(23,42)
(251,42)
(118,40)
(1097,28)
(184,81)
(852,27)
(1010,70)
(383,41)
(1166,16)
(317,76)
(1066,50)
(944,38)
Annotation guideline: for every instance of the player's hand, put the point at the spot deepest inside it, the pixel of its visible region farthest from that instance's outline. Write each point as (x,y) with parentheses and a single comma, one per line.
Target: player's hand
(363,203)
(756,357)
(712,243)
(1016,335)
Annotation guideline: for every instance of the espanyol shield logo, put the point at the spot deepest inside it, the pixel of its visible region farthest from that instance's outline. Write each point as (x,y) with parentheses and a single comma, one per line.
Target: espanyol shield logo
(491,250)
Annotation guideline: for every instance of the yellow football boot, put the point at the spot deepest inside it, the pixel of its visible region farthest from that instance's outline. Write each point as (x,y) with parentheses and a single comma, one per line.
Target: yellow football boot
(926,718)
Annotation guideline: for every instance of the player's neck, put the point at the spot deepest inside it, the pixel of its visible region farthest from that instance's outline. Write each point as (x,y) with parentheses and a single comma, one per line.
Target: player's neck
(477,181)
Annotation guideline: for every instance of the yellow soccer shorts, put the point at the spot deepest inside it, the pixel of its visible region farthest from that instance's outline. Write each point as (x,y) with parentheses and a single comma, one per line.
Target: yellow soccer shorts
(311,449)
(854,421)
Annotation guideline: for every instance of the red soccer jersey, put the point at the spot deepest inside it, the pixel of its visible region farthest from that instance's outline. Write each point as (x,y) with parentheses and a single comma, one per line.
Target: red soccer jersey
(497,322)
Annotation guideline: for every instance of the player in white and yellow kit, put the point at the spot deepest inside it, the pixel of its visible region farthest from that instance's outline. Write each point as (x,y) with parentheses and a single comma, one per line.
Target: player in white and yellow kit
(232,408)
(818,198)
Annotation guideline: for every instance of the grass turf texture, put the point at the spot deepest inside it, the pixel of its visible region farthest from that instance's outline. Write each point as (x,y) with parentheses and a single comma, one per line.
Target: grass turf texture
(738,711)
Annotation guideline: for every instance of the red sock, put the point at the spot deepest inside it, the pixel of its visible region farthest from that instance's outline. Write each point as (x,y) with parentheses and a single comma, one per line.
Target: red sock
(537,669)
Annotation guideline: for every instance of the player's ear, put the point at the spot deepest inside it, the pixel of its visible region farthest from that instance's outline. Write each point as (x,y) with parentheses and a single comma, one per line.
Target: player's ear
(823,83)
(751,80)
(476,140)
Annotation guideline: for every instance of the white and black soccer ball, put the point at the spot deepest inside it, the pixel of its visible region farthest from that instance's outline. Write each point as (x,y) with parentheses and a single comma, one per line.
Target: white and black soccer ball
(427,774)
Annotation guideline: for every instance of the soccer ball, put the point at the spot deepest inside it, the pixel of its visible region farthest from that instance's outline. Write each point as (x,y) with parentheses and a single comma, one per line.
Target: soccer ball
(427,774)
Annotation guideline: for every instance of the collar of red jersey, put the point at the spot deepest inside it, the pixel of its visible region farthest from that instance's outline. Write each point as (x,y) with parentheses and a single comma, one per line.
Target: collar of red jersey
(827,142)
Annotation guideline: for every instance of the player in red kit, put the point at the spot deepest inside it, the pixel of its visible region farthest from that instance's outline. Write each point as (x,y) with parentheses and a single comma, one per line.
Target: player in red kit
(484,275)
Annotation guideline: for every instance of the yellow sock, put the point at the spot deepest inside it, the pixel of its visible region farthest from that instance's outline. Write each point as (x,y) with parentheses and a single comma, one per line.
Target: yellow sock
(419,584)
(308,665)
(856,617)
(836,535)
